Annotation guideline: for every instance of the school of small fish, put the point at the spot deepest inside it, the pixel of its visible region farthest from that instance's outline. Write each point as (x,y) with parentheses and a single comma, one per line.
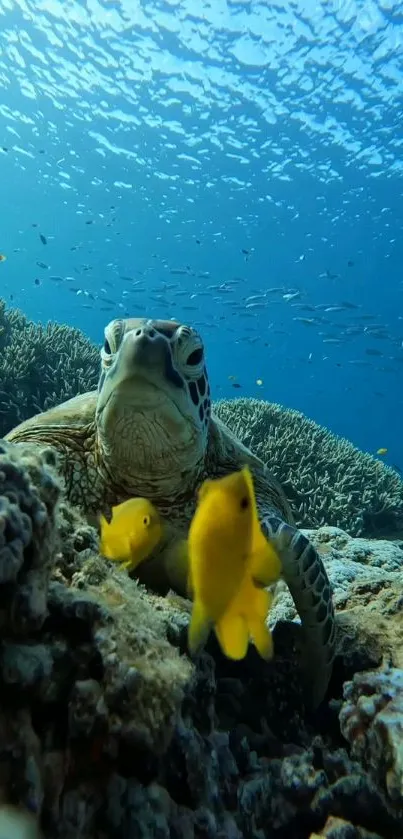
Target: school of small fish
(342,332)
(193,285)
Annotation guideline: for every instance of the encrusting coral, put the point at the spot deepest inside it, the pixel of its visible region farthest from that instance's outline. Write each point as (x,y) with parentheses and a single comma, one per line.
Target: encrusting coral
(326,479)
(41,366)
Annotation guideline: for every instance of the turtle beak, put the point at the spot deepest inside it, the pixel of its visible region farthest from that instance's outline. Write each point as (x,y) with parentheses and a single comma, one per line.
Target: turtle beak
(147,353)
(144,355)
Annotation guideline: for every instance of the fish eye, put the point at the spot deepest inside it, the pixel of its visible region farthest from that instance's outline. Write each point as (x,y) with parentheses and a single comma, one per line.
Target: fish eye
(195,357)
(244,504)
(107,347)
(146,521)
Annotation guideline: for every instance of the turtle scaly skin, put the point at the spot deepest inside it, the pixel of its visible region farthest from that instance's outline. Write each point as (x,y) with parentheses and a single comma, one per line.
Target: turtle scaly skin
(149,431)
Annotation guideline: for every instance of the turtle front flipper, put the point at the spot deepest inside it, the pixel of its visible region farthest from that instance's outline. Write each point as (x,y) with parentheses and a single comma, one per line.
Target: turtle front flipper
(309,585)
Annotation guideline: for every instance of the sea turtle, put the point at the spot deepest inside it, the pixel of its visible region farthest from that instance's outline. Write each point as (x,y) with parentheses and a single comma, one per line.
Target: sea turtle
(149,430)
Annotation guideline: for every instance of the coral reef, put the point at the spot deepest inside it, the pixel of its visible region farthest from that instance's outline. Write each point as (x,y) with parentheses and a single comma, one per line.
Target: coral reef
(28,541)
(371,719)
(327,480)
(40,366)
(108,730)
(80,674)
(367,580)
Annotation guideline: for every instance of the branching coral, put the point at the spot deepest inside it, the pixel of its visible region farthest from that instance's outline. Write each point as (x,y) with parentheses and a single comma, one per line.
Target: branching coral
(40,366)
(327,480)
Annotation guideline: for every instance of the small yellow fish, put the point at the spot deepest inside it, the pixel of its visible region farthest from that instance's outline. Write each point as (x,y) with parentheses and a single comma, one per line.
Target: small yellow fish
(382,451)
(229,558)
(259,382)
(133,533)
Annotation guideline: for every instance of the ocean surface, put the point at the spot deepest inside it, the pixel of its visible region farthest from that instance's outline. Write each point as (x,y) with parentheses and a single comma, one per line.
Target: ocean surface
(235,165)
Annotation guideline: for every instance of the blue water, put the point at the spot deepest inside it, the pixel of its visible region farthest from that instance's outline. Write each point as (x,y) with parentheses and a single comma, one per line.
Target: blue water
(143,138)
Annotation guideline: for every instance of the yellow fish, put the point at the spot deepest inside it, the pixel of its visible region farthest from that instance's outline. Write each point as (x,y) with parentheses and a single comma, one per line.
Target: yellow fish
(229,558)
(382,451)
(133,533)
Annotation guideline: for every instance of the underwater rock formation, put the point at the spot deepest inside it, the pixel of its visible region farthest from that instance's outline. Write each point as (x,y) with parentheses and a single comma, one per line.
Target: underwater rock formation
(40,366)
(108,730)
(371,719)
(367,581)
(28,543)
(79,674)
(327,480)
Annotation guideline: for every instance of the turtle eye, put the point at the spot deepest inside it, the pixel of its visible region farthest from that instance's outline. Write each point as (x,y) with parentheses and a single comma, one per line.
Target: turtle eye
(195,357)
(107,347)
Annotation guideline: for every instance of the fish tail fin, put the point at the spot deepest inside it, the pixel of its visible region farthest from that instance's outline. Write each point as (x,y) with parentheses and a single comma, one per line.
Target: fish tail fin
(233,637)
(257,627)
(199,628)
(262,638)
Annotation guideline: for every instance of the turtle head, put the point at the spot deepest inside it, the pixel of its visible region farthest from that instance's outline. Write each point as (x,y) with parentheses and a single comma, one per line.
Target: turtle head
(153,408)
